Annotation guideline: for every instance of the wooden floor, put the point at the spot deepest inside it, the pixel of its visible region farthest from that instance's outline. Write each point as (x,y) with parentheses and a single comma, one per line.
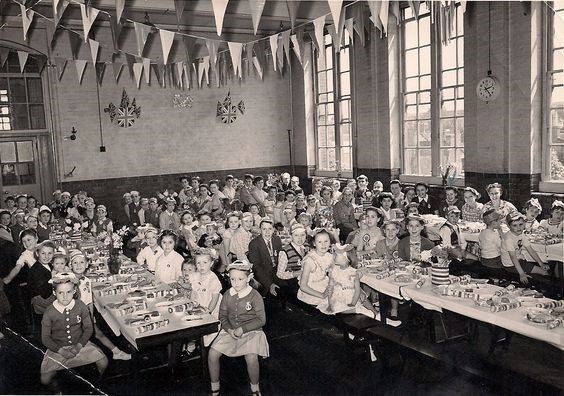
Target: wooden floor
(309,357)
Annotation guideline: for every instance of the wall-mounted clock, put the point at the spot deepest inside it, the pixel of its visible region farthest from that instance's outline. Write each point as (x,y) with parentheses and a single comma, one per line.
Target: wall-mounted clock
(488,88)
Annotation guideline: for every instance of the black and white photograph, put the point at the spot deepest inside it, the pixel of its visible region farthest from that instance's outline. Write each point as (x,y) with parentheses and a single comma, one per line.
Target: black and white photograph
(281,197)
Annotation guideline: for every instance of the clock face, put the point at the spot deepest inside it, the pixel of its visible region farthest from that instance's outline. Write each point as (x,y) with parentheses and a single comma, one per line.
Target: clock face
(488,89)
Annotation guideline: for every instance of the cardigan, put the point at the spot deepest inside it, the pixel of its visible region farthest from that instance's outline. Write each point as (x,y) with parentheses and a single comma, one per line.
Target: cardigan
(404,250)
(244,309)
(39,277)
(66,326)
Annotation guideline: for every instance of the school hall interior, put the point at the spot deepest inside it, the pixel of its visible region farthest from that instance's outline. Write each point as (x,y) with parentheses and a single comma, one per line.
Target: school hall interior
(117,97)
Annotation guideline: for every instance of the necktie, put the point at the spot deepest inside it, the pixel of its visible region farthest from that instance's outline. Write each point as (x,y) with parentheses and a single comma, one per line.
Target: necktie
(269,245)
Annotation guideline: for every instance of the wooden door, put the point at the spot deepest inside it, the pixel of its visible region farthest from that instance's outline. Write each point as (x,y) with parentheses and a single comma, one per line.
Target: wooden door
(20,167)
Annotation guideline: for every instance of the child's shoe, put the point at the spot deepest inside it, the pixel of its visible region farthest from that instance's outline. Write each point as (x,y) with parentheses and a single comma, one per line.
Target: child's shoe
(118,354)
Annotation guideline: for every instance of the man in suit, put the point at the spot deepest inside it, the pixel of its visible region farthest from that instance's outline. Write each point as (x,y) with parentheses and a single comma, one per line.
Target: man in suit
(284,182)
(263,254)
(134,208)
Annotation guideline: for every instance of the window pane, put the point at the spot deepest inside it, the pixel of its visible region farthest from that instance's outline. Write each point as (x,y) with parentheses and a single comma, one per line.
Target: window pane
(410,112)
(37,116)
(424,31)
(8,152)
(9,177)
(448,157)
(17,90)
(20,118)
(425,97)
(447,108)
(410,34)
(558,94)
(26,172)
(34,90)
(331,164)
(329,57)
(447,132)
(459,162)
(411,84)
(425,60)
(460,108)
(557,162)
(346,159)
(345,110)
(344,59)
(322,159)
(424,111)
(449,78)
(25,151)
(321,136)
(410,161)
(460,132)
(345,84)
(425,162)
(448,56)
(424,133)
(410,134)
(425,82)
(345,134)
(322,82)
(331,136)
(411,98)
(447,93)
(411,68)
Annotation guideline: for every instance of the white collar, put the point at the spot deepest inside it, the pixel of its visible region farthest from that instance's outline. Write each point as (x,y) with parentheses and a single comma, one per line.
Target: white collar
(62,308)
(243,293)
(426,199)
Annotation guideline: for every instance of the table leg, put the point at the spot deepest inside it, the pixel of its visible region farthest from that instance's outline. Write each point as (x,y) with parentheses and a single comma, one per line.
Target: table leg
(384,306)
(174,352)
(204,355)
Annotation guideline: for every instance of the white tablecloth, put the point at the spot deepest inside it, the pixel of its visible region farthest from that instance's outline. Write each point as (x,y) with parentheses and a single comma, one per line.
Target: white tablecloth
(514,320)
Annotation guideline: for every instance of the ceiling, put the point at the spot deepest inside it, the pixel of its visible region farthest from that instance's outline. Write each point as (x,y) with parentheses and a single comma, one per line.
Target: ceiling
(198,17)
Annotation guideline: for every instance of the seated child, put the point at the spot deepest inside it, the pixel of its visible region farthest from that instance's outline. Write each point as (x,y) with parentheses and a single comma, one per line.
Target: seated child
(204,218)
(211,239)
(78,263)
(387,211)
(188,268)
(242,316)
(415,247)
(490,241)
(288,217)
(512,245)
(387,248)
(555,224)
(472,209)
(366,239)
(452,238)
(66,328)
(270,202)
(255,212)
(279,206)
(532,210)
(148,255)
(60,263)
(168,265)
(314,281)
(345,294)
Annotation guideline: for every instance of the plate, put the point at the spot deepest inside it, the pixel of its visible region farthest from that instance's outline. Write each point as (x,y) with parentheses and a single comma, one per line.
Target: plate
(192,317)
(164,304)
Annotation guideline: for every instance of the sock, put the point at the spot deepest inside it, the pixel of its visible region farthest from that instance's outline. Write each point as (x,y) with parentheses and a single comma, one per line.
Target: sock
(255,388)
(214,386)
(116,350)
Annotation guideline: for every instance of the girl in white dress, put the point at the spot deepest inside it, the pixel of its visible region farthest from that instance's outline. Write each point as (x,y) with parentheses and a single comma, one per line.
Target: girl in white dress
(314,280)
(168,266)
(345,295)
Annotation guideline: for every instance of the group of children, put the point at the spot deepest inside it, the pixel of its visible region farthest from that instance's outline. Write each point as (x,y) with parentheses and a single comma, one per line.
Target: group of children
(192,236)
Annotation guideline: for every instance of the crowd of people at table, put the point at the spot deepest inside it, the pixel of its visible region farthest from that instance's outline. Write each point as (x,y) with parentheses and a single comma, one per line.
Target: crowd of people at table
(221,238)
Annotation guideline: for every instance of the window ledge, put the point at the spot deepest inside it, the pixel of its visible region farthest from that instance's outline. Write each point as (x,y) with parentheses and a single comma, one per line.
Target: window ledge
(341,175)
(552,186)
(431,180)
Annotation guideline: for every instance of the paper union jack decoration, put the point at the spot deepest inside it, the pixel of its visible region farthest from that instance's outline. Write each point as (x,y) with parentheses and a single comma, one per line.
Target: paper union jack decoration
(226,112)
(126,113)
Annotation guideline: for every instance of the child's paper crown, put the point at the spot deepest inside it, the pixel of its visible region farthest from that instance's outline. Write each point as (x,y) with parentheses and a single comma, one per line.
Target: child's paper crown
(63,277)
(241,265)
(76,253)
(341,249)
(207,252)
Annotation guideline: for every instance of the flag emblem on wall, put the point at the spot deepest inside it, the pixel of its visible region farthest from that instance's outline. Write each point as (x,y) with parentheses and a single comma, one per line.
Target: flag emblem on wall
(127,112)
(226,112)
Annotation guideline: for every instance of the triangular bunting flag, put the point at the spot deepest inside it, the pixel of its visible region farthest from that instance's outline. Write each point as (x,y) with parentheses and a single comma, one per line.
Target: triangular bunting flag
(59,10)
(138,71)
(274,48)
(117,70)
(115,28)
(259,61)
(349,25)
(285,41)
(179,7)
(335,6)
(130,60)
(88,17)
(100,68)
(141,33)
(236,50)
(120,4)
(156,69)
(384,12)
(22,57)
(336,31)
(219,7)
(297,47)
(319,24)
(258,66)
(80,66)
(463,5)
(94,45)
(359,16)
(257,7)
(375,7)
(27,18)
(147,69)
(4,52)
(213,46)
(414,4)
(280,57)
(394,9)
(293,6)
(166,41)
(179,73)
(162,69)
(189,45)
(187,75)
(60,64)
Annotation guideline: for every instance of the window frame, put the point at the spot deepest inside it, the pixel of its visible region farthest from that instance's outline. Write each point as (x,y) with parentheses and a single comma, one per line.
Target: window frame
(546,183)
(435,102)
(337,98)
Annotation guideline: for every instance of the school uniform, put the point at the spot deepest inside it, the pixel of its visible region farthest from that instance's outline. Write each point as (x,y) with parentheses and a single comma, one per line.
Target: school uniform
(427,205)
(264,256)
